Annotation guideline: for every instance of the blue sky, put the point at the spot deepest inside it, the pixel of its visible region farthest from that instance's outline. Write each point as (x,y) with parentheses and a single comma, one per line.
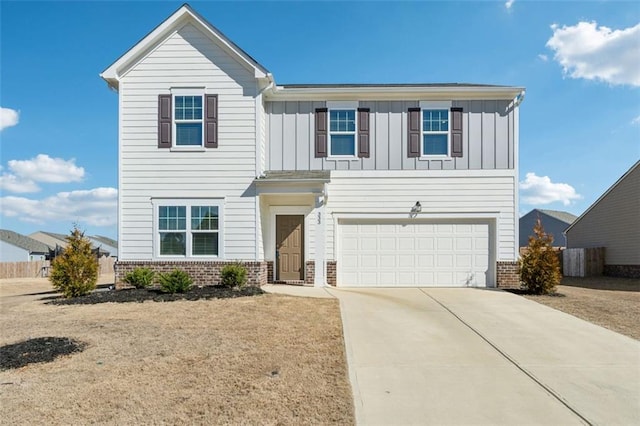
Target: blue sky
(579,62)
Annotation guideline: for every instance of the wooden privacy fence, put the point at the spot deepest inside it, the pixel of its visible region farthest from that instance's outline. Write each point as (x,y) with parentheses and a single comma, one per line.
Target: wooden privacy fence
(41,268)
(582,262)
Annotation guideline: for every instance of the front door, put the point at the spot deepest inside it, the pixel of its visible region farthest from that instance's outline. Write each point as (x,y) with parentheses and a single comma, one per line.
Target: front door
(289,247)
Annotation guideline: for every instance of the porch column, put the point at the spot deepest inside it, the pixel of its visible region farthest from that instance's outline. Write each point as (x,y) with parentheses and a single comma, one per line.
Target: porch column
(320,278)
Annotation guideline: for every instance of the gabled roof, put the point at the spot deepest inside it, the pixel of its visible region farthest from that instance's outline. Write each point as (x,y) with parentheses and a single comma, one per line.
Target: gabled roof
(622,178)
(22,241)
(185,14)
(562,216)
(105,240)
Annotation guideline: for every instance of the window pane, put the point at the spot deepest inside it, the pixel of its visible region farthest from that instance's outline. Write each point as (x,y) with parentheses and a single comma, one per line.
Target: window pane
(171,218)
(173,243)
(204,244)
(188,108)
(343,145)
(204,218)
(188,133)
(342,120)
(435,120)
(434,144)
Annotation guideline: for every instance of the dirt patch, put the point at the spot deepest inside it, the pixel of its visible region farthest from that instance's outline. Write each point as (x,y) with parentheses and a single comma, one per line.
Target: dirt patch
(606,301)
(143,295)
(267,359)
(40,349)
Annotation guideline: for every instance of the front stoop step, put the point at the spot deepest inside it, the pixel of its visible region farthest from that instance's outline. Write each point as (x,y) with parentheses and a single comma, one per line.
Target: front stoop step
(290,282)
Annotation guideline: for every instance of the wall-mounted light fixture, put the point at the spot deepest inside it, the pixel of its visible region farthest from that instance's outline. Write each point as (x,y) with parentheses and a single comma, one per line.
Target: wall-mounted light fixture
(417,208)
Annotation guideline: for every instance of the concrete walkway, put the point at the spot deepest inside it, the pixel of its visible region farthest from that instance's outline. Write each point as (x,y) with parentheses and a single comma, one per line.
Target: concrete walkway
(469,356)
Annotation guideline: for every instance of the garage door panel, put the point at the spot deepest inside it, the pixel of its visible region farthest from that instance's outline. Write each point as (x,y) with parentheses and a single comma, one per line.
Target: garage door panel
(413,254)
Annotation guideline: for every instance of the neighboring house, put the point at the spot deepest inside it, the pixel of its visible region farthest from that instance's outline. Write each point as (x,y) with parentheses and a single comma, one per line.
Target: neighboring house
(59,241)
(345,184)
(51,239)
(105,243)
(613,222)
(16,247)
(554,222)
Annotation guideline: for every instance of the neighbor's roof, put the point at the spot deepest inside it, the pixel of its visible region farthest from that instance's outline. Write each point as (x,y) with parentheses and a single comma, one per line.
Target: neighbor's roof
(627,173)
(22,241)
(185,14)
(105,240)
(563,216)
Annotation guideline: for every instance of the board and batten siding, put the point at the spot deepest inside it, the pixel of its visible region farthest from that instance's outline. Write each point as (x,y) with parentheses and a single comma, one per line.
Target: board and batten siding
(190,59)
(442,194)
(613,223)
(489,133)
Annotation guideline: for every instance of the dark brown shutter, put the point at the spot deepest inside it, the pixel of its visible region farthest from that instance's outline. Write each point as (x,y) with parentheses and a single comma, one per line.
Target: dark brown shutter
(321,132)
(456,132)
(164,121)
(413,148)
(211,121)
(363,132)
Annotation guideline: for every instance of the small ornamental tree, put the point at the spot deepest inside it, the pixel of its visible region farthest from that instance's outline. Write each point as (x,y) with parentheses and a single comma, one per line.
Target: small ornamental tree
(539,266)
(75,271)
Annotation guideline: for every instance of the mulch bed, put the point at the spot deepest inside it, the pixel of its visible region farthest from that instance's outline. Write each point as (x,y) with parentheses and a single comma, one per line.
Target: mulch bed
(156,295)
(40,349)
(524,292)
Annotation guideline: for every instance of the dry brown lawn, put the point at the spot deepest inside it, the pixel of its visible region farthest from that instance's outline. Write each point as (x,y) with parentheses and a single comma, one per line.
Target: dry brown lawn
(610,302)
(267,359)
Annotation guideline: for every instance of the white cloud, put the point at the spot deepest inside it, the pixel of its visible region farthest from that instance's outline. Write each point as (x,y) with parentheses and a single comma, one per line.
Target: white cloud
(636,121)
(96,207)
(509,3)
(598,53)
(543,57)
(8,117)
(540,190)
(43,168)
(12,183)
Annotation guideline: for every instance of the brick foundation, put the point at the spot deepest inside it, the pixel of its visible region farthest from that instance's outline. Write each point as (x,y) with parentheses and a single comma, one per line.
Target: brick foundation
(309,272)
(623,271)
(201,272)
(507,274)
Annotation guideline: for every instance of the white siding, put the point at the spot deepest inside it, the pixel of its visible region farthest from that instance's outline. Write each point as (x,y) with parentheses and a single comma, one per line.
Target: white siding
(444,194)
(187,59)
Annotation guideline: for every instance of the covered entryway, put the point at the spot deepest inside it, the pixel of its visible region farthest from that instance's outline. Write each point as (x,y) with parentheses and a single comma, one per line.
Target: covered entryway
(406,253)
(290,247)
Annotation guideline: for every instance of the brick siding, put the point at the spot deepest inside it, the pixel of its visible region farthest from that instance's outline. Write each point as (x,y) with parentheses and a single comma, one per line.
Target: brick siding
(201,272)
(508,276)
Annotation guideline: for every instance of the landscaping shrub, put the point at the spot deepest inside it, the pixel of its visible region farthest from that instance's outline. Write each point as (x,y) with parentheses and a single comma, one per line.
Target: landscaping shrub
(75,271)
(539,266)
(176,281)
(140,277)
(233,275)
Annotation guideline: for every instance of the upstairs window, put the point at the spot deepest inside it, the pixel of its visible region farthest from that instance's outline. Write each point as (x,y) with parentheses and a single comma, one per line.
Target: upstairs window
(188,122)
(435,132)
(342,132)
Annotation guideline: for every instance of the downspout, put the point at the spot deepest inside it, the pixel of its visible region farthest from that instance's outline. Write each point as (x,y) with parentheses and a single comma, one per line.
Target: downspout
(259,171)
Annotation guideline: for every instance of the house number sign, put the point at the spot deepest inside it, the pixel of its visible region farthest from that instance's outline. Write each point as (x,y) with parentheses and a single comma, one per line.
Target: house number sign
(319,218)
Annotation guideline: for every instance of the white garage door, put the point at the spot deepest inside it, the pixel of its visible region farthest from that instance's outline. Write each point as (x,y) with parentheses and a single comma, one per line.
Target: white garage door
(409,254)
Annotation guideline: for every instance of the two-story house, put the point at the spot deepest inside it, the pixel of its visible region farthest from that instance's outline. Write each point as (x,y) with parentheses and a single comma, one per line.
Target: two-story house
(347,185)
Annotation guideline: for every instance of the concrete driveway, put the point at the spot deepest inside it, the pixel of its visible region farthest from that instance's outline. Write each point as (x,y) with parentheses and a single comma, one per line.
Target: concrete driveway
(470,356)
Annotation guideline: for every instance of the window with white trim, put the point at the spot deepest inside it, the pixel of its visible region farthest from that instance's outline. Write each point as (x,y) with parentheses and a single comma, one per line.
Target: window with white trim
(435,132)
(187,120)
(342,132)
(188,228)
